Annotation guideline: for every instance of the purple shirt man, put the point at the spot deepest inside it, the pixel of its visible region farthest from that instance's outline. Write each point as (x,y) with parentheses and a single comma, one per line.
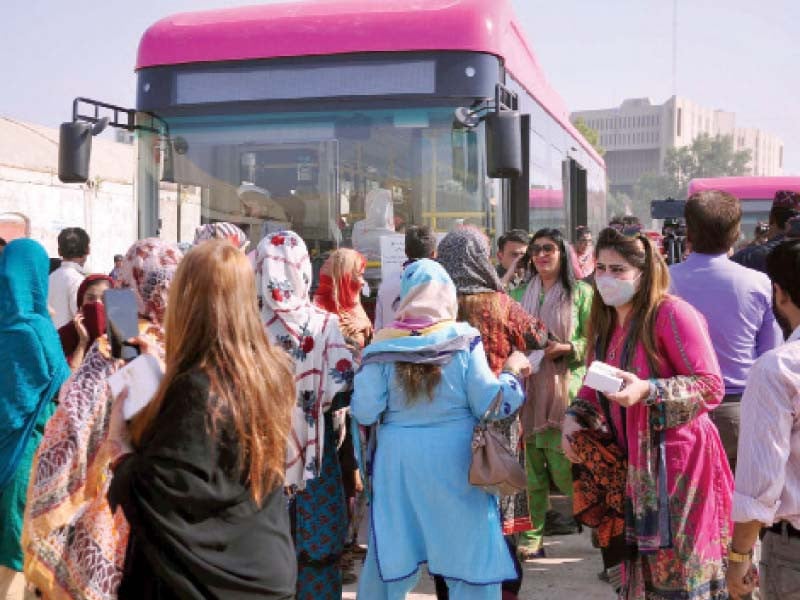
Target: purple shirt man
(737,303)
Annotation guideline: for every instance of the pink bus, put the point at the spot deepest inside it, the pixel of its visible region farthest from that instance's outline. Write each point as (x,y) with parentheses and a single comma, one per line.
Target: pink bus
(755,194)
(336,118)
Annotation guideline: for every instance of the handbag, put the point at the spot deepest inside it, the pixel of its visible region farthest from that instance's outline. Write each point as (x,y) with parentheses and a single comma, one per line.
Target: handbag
(494,468)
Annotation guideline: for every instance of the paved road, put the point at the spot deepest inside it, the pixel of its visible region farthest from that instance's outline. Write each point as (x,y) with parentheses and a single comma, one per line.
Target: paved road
(570,571)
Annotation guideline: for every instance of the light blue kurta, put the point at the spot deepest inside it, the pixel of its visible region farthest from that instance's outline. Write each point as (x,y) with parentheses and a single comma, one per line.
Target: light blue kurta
(424,509)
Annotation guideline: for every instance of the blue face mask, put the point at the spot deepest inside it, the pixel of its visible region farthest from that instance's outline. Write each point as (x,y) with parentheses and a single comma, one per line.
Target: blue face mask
(617,292)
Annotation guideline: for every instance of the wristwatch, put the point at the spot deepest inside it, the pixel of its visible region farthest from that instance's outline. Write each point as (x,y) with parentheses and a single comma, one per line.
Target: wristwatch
(737,557)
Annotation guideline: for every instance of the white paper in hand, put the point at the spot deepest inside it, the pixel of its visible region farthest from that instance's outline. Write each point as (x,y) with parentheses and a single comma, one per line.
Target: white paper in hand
(535,360)
(142,377)
(603,378)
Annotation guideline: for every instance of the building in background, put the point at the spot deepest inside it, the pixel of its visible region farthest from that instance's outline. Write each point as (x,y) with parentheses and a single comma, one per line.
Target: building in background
(637,135)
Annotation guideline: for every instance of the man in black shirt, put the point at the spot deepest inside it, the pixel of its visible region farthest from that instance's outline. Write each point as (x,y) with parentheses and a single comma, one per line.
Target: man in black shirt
(785,206)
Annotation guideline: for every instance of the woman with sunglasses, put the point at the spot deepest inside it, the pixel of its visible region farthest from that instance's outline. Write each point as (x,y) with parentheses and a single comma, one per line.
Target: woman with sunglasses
(555,298)
(675,523)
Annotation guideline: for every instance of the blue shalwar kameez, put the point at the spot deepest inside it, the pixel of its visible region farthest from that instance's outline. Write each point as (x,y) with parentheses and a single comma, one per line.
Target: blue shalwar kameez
(424,510)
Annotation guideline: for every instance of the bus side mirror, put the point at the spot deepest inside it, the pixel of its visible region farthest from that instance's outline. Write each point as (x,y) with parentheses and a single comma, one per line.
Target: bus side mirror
(503,144)
(74,151)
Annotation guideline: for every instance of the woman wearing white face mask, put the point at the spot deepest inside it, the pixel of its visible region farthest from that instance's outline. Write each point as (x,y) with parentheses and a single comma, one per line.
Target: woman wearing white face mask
(670,525)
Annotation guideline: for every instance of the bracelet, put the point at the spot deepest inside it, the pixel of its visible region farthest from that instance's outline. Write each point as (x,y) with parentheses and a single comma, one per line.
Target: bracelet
(511,372)
(738,557)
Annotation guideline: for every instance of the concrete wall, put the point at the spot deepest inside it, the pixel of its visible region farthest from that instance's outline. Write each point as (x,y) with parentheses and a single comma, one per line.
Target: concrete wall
(106,210)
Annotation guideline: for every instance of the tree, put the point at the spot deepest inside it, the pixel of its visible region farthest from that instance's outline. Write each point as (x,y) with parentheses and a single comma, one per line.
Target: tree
(590,135)
(706,156)
(618,204)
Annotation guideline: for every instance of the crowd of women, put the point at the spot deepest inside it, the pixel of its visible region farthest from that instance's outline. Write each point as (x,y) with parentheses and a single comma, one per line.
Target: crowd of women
(280,411)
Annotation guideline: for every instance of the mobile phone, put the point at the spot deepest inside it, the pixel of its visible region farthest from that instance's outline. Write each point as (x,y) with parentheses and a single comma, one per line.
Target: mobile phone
(122,322)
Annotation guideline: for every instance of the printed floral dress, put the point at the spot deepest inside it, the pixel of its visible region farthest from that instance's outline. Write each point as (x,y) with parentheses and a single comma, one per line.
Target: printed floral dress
(323,368)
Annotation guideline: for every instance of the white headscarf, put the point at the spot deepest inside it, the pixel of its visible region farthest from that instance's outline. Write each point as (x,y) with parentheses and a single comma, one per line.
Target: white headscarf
(311,336)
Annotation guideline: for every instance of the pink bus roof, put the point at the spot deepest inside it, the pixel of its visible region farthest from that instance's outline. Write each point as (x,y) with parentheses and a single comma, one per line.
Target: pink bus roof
(323,27)
(746,188)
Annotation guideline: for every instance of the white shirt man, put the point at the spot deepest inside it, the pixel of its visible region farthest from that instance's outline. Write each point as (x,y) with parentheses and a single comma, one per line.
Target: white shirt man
(62,295)
(767,490)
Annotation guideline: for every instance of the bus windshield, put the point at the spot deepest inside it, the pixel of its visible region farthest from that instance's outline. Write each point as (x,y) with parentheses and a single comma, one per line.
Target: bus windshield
(336,177)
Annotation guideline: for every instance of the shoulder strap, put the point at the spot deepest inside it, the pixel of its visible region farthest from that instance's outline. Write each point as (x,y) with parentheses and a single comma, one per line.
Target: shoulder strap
(493,407)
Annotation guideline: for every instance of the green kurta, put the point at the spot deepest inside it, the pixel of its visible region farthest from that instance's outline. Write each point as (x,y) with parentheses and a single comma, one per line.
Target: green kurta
(544,459)
(581,306)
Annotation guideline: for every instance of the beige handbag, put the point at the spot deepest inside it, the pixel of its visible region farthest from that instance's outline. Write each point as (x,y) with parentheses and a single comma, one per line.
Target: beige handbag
(495,468)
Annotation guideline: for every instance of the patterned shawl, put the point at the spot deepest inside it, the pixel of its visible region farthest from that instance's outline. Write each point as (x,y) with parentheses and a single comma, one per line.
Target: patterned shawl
(465,253)
(222,231)
(548,389)
(30,351)
(599,483)
(74,544)
(339,293)
(311,336)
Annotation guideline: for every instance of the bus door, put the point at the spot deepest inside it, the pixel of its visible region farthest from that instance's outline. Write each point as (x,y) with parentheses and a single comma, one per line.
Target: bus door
(577,191)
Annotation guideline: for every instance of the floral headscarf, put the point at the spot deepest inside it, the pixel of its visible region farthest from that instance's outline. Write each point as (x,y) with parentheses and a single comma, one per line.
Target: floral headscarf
(148,269)
(311,336)
(222,231)
(283,278)
(465,253)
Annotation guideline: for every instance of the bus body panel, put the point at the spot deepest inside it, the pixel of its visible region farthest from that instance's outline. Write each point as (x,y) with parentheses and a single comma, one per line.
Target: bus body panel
(355,26)
(746,188)
(755,194)
(330,108)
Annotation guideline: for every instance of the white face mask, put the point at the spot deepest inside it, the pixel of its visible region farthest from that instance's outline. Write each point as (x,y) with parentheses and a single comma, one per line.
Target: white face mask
(617,292)
(365,289)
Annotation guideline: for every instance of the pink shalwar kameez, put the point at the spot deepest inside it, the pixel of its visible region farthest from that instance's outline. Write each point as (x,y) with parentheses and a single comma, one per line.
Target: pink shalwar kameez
(680,533)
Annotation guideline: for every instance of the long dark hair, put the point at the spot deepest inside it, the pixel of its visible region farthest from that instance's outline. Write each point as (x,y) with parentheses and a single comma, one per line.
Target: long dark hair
(565,273)
(639,251)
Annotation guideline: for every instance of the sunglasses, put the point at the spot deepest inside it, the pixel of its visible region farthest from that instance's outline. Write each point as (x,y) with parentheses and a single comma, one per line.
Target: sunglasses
(537,249)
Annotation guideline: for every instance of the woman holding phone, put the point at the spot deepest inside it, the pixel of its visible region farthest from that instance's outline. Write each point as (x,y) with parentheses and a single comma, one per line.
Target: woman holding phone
(74,543)
(203,486)
(89,323)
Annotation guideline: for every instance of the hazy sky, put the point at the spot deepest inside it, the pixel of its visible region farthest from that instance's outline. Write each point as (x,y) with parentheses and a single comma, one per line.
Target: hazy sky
(738,55)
